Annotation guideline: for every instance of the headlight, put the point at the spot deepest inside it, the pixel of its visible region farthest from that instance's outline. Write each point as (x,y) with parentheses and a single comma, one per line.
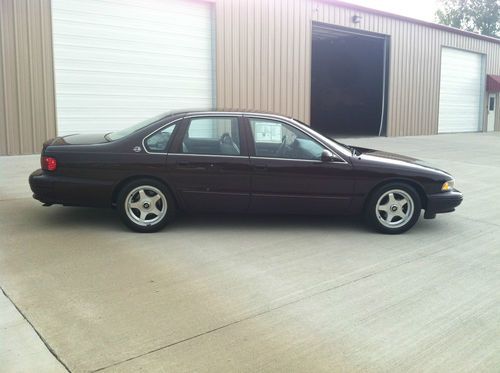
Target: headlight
(448,185)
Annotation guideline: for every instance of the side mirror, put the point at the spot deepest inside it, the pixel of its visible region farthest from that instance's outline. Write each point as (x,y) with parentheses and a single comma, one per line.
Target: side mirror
(327,156)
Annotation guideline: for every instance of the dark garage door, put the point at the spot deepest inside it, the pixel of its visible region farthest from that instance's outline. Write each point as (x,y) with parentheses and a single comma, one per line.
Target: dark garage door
(348,82)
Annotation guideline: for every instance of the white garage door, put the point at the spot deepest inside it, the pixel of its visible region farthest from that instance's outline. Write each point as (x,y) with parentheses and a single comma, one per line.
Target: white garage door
(118,62)
(461,91)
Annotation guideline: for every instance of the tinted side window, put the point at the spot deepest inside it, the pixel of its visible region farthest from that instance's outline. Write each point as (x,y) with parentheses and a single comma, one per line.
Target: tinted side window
(278,140)
(160,141)
(213,136)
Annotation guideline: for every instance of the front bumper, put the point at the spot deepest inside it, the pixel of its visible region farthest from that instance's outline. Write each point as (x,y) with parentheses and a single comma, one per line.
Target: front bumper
(442,203)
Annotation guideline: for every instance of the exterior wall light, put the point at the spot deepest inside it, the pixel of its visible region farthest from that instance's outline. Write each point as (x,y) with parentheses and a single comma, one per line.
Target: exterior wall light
(356,18)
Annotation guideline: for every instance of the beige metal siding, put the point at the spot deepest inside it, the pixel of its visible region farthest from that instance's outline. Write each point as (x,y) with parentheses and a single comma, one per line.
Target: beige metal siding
(269,68)
(27,111)
(263,55)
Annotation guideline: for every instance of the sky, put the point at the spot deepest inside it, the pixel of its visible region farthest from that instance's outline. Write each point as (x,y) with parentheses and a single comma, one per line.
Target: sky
(420,9)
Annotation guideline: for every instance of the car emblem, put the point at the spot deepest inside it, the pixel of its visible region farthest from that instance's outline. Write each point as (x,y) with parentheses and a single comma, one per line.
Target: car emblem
(137,149)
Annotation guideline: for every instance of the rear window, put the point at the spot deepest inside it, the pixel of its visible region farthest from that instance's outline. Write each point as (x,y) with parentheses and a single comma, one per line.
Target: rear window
(112,136)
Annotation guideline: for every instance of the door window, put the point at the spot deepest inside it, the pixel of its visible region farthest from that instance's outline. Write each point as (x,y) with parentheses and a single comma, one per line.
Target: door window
(278,140)
(212,136)
(160,141)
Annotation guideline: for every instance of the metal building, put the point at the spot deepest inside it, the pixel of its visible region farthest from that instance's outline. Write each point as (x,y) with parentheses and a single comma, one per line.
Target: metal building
(71,66)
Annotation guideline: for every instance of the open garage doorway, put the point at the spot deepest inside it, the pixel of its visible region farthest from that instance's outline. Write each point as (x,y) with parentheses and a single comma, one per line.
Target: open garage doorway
(348,82)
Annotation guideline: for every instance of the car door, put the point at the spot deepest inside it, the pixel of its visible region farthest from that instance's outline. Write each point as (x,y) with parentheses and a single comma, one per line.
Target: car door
(288,174)
(209,164)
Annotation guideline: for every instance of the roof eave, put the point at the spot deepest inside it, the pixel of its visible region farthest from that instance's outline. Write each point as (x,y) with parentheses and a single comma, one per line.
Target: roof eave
(412,20)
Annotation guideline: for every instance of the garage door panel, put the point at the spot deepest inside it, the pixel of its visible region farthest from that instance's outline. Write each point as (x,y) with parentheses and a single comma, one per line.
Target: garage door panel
(117,80)
(115,104)
(135,90)
(160,61)
(112,12)
(119,62)
(148,8)
(461,91)
(101,47)
(108,67)
(132,36)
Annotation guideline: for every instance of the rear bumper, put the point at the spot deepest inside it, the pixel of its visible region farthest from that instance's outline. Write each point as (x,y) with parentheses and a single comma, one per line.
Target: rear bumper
(52,189)
(442,203)
(42,186)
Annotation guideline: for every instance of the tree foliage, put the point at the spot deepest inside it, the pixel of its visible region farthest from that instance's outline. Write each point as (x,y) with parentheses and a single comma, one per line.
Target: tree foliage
(481,16)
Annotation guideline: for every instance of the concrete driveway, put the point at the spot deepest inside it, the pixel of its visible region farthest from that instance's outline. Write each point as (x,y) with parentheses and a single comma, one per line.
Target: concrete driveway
(256,293)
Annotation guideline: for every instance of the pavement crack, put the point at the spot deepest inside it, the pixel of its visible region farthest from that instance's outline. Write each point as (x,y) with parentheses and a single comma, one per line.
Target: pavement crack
(44,341)
(309,296)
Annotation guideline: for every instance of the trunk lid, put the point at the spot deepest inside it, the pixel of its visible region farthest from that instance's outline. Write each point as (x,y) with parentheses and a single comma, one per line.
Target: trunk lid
(84,139)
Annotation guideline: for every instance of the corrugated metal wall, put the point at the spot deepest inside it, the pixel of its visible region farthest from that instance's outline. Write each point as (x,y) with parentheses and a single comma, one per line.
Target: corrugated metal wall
(264,54)
(27,109)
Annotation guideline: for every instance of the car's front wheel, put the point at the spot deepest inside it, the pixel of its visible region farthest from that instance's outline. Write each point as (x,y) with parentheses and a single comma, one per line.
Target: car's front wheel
(145,205)
(393,208)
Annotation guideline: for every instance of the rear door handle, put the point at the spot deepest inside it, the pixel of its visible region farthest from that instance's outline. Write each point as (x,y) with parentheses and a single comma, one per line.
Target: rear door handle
(260,167)
(190,166)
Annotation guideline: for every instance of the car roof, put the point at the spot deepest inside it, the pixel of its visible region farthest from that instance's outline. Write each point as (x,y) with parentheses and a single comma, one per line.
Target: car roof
(186,113)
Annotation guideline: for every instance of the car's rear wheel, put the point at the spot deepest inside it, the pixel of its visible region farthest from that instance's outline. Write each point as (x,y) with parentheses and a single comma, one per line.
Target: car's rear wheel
(393,208)
(145,205)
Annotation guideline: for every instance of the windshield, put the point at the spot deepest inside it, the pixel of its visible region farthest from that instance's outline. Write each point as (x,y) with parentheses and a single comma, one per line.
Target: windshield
(112,136)
(327,139)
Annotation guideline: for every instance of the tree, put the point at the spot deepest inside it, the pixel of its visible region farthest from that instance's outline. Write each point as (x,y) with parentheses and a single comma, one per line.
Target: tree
(481,16)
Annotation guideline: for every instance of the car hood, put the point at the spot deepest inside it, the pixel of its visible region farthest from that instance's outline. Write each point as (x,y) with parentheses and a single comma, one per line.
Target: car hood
(83,139)
(392,159)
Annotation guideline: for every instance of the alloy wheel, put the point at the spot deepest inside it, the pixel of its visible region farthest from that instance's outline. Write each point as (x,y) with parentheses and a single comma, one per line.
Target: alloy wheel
(394,208)
(145,205)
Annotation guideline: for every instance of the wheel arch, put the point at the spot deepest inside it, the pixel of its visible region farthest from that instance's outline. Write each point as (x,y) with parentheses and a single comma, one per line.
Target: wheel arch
(417,186)
(122,183)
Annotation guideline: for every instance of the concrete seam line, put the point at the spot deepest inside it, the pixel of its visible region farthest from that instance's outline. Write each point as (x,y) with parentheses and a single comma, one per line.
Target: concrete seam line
(272,309)
(51,350)
(477,220)
(13,199)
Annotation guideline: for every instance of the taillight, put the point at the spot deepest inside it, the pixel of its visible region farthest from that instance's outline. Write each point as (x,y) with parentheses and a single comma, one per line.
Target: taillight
(49,163)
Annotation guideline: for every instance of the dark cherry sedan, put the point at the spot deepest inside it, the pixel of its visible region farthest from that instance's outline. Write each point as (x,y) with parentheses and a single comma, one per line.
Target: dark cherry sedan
(236,162)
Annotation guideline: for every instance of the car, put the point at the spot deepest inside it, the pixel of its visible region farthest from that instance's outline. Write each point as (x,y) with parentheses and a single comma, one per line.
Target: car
(218,161)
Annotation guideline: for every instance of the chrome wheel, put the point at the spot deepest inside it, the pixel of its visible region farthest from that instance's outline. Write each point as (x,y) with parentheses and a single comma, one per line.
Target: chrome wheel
(394,208)
(146,205)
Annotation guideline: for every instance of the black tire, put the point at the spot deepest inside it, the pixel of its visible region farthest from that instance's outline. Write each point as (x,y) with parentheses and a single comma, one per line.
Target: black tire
(380,199)
(151,208)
